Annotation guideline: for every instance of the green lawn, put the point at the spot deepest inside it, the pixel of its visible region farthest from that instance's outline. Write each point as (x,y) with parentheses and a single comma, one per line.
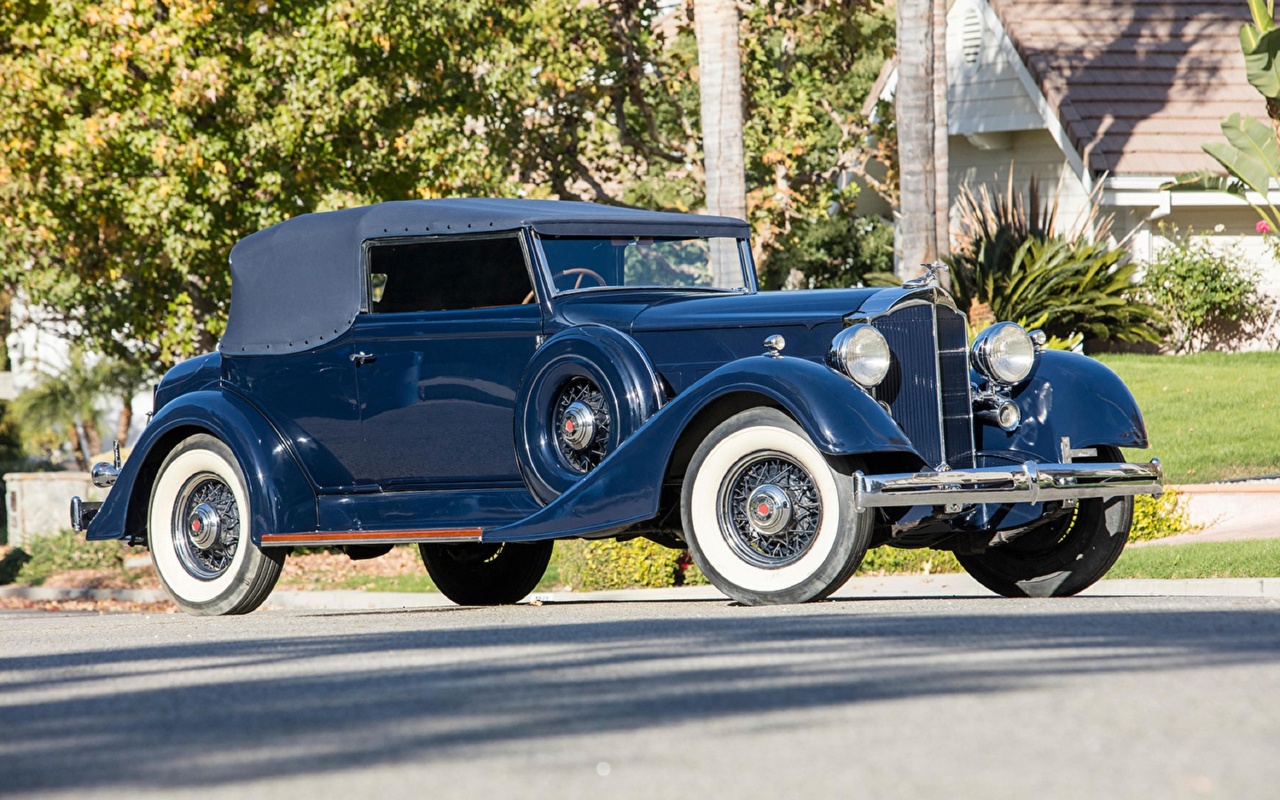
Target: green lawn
(1210,416)
(1255,558)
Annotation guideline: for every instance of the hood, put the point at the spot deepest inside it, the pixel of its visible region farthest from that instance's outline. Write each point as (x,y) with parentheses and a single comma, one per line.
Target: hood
(807,309)
(688,337)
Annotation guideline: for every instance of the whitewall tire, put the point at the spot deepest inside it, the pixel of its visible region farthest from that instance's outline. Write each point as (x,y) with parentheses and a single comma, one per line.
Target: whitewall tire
(199,532)
(768,518)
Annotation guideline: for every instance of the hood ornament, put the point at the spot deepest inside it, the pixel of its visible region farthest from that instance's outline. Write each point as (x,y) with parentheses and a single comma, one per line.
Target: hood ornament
(931,276)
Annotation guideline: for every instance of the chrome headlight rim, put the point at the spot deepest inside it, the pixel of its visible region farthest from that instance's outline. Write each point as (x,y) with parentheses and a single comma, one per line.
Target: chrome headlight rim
(1005,353)
(861,353)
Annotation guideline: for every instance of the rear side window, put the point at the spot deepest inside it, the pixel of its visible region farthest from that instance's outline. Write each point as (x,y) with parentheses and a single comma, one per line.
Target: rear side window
(447,274)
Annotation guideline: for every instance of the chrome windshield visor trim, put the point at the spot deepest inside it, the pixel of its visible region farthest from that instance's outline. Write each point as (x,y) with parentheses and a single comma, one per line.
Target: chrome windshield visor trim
(1030,482)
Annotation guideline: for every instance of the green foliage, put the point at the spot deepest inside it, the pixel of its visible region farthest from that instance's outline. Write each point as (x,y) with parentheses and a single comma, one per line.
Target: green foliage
(138,142)
(1158,517)
(597,565)
(1257,558)
(11,564)
(1260,43)
(1012,262)
(831,252)
(66,551)
(1202,292)
(887,560)
(1210,416)
(1064,288)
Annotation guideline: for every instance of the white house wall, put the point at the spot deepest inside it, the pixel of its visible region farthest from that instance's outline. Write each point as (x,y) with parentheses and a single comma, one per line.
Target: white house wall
(1030,154)
(985,96)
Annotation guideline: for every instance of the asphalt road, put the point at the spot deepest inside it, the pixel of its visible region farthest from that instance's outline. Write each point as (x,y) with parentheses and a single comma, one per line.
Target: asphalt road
(1115,697)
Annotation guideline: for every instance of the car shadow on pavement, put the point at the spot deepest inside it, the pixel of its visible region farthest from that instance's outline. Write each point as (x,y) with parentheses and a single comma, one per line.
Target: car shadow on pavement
(234,705)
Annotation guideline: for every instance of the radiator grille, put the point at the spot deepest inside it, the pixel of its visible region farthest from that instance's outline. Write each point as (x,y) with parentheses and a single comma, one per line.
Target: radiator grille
(927,388)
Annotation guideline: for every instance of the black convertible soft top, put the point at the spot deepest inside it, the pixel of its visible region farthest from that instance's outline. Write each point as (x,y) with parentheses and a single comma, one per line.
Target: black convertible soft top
(298,284)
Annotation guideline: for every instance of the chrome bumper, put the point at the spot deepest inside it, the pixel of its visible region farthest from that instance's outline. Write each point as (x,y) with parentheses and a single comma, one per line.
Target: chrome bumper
(1029,482)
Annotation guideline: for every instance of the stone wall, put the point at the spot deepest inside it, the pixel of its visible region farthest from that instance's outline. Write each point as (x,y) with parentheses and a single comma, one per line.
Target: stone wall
(39,503)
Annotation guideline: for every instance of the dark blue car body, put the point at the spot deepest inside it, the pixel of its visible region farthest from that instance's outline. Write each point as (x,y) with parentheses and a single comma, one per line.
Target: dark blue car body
(356,428)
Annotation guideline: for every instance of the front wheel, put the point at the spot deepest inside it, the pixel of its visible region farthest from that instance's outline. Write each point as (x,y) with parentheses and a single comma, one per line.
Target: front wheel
(199,532)
(767,517)
(486,574)
(1060,558)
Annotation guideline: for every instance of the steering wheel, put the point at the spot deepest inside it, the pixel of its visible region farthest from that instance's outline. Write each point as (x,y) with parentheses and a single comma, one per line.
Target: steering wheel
(581,272)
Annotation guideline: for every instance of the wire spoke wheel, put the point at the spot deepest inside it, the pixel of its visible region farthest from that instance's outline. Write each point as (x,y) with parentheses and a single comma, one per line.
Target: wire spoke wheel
(581,421)
(770,510)
(199,532)
(206,526)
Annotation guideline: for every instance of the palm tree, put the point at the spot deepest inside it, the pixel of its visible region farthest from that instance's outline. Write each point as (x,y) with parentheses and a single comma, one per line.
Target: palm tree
(64,402)
(720,86)
(120,381)
(921,120)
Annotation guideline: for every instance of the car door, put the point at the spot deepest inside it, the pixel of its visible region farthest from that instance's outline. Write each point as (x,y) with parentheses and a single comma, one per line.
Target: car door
(450,324)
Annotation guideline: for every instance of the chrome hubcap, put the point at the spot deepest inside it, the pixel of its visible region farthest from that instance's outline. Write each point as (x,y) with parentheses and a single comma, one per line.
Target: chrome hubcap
(581,421)
(202,526)
(578,423)
(769,510)
(206,526)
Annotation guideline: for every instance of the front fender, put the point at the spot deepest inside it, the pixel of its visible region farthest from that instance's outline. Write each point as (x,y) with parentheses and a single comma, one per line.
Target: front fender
(626,487)
(281,497)
(1069,395)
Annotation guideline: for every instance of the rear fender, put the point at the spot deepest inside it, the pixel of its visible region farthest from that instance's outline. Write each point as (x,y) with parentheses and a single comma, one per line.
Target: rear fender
(281,497)
(626,488)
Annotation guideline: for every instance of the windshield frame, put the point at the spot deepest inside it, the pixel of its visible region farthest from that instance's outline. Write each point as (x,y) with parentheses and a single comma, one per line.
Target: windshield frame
(745,262)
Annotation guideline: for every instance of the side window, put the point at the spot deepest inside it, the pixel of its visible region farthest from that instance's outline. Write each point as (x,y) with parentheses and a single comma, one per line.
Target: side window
(447,274)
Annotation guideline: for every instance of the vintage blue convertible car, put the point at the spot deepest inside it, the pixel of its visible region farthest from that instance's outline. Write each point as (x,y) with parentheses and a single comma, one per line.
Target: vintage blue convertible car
(483,377)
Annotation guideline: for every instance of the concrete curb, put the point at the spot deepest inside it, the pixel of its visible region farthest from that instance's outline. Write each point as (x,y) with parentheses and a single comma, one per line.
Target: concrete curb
(949,585)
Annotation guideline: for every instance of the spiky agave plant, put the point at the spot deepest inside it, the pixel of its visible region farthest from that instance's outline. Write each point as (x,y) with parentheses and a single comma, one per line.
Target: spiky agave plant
(1012,262)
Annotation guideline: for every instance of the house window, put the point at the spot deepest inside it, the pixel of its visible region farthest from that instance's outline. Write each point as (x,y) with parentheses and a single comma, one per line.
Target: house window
(447,274)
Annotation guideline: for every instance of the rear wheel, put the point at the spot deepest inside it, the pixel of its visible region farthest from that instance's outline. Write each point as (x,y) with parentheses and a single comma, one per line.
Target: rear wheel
(768,518)
(199,532)
(486,574)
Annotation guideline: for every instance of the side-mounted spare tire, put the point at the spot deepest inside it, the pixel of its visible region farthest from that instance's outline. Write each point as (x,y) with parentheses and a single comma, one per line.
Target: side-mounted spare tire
(584,392)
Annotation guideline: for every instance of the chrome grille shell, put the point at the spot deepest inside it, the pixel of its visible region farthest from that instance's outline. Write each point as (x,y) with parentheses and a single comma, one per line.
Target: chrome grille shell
(927,389)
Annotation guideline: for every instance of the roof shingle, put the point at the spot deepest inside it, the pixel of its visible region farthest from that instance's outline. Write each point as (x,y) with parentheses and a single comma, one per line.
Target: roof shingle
(1139,85)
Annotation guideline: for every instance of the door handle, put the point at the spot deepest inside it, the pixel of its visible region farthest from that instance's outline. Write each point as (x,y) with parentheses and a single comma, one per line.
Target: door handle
(363,358)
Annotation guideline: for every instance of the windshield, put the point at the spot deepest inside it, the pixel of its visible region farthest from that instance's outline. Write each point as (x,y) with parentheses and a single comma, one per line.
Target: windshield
(579,262)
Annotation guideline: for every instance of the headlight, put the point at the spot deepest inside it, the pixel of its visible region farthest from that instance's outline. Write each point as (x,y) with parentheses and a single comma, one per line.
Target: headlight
(1004,353)
(861,353)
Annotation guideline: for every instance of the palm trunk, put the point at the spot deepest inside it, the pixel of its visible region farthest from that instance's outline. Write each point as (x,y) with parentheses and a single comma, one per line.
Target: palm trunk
(92,438)
(941,157)
(720,87)
(126,419)
(917,235)
(77,450)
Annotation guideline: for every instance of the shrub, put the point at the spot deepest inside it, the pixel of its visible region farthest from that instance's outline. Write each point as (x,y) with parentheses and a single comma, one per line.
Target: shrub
(1012,263)
(1158,517)
(839,251)
(601,564)
(897,561)
(1206,294)
(66,551)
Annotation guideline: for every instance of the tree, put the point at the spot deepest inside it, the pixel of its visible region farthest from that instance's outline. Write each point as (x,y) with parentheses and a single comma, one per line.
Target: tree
(140,140)
(65,402)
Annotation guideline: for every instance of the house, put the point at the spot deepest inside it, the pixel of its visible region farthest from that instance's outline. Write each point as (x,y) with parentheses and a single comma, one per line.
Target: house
(1120,93)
